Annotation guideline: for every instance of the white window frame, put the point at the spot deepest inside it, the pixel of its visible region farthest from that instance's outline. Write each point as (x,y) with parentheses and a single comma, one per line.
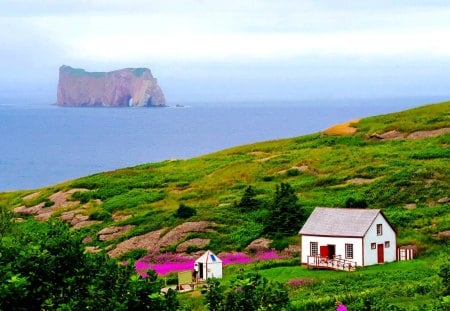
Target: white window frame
(379,229)
(349,249)
(313,248)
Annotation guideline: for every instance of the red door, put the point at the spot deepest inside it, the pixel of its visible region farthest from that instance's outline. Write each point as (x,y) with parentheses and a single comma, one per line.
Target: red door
(380,251)
(324,251)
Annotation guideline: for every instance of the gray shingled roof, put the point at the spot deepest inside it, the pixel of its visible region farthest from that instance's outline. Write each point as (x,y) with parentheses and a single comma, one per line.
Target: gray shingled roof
(339,221)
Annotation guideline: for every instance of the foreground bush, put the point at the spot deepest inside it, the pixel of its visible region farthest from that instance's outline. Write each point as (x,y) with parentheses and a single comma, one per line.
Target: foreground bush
(250,292)
(45,268)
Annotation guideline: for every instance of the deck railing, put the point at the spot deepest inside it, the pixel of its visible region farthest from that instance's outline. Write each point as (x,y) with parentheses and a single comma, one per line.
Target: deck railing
(335,263)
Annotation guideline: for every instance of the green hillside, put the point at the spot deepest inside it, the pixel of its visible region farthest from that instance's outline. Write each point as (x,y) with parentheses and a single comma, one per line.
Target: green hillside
(396,162)
(324,170)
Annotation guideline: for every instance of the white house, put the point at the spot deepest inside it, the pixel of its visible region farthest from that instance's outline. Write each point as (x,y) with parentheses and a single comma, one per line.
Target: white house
(208,266)
(359,237)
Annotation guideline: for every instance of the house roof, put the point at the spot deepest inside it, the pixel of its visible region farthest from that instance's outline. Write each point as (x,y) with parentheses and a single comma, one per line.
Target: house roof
(349,222)
(209,257)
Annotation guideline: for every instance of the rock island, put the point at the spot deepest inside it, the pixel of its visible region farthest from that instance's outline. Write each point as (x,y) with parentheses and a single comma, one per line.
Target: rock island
(129,87)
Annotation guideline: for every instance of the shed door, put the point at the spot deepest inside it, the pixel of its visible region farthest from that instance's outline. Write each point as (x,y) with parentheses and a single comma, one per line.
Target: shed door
(200,270)
(324,251)
(380,251)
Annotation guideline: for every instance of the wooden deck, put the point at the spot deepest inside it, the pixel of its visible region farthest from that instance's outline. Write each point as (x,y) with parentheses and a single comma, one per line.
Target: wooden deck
(336,263)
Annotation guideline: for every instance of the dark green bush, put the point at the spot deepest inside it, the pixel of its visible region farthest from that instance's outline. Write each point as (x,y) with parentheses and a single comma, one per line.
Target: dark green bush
(48,269)
(279,245)
(134,254)
(100,215)
(355,203)
(250,292)
(48,203)
(185,211)
(292,172)
(268,178)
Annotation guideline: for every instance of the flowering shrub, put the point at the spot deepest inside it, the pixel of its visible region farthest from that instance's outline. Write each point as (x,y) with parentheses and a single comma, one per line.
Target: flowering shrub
(165,263)
(300,282)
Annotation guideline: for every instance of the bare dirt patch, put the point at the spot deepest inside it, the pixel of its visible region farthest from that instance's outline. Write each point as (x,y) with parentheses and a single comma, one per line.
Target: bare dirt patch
(86,223)
(181,190)
(60,198)
(42,213)
(155,240)
(360,181)
(33,210)
(110,233)
(425,134)
(181,231)
(444,200)
(259,245)
(31,196)
(268,158)
(196,242)
(444,235)
(343,129)
(146,241)
(414,135)
(388,135)
(120,217)
(292,249)
(301,168)
(257,153)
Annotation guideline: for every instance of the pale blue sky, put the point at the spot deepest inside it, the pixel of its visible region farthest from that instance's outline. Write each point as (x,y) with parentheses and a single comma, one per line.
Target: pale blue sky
(204,50)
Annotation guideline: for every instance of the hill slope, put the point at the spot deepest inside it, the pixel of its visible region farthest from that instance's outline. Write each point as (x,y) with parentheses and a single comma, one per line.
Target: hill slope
(397,162)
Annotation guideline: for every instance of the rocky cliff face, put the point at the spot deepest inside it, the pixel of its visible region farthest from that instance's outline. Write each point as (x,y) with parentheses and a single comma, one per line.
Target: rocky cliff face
(120,88)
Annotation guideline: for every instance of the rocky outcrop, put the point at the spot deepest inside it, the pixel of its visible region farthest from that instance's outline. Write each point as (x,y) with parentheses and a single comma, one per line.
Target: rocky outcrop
(259,245)
(146,241)
(120,88)
(196,243)
(43,211)
(155,241)
(110,233)
(391,135)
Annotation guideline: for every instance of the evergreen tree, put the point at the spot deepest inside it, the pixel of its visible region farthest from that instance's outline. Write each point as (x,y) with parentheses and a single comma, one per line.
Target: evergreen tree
(286,214)
(355,203)
(248,201)
(185,211)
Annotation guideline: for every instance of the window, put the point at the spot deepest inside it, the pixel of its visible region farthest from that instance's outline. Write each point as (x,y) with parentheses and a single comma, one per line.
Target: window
(379,229)
(387,244)
(373,246)
(313,248)
(349,251)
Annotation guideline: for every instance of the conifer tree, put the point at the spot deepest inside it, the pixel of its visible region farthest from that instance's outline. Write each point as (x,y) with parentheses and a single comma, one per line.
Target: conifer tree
(286,214)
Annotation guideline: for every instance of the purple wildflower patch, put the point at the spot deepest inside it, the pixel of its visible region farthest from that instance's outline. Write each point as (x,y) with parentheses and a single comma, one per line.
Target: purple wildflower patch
(166,263)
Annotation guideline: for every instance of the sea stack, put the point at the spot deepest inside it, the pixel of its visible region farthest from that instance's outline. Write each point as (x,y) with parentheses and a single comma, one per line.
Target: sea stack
(129,87)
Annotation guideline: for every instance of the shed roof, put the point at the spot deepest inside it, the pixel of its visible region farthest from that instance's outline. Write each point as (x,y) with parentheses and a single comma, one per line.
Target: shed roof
(209,257)
(349,222)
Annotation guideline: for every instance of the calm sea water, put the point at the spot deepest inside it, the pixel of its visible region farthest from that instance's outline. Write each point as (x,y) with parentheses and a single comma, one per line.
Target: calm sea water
(44,144)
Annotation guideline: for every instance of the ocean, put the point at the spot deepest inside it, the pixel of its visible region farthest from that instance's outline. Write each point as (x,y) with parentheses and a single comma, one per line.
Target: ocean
(44,144)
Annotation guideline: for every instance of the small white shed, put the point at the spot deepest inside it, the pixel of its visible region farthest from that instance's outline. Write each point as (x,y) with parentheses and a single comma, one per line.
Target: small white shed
(208,266)
(360,237)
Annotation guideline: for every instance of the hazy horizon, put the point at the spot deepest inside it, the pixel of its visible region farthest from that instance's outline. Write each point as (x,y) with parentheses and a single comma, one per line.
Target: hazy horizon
(218,51)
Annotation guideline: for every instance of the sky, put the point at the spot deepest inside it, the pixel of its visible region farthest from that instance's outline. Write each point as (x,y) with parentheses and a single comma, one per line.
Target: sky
(233,50)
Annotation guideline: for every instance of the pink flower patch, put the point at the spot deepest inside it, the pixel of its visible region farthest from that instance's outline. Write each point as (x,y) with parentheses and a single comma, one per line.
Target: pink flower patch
(166,263)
